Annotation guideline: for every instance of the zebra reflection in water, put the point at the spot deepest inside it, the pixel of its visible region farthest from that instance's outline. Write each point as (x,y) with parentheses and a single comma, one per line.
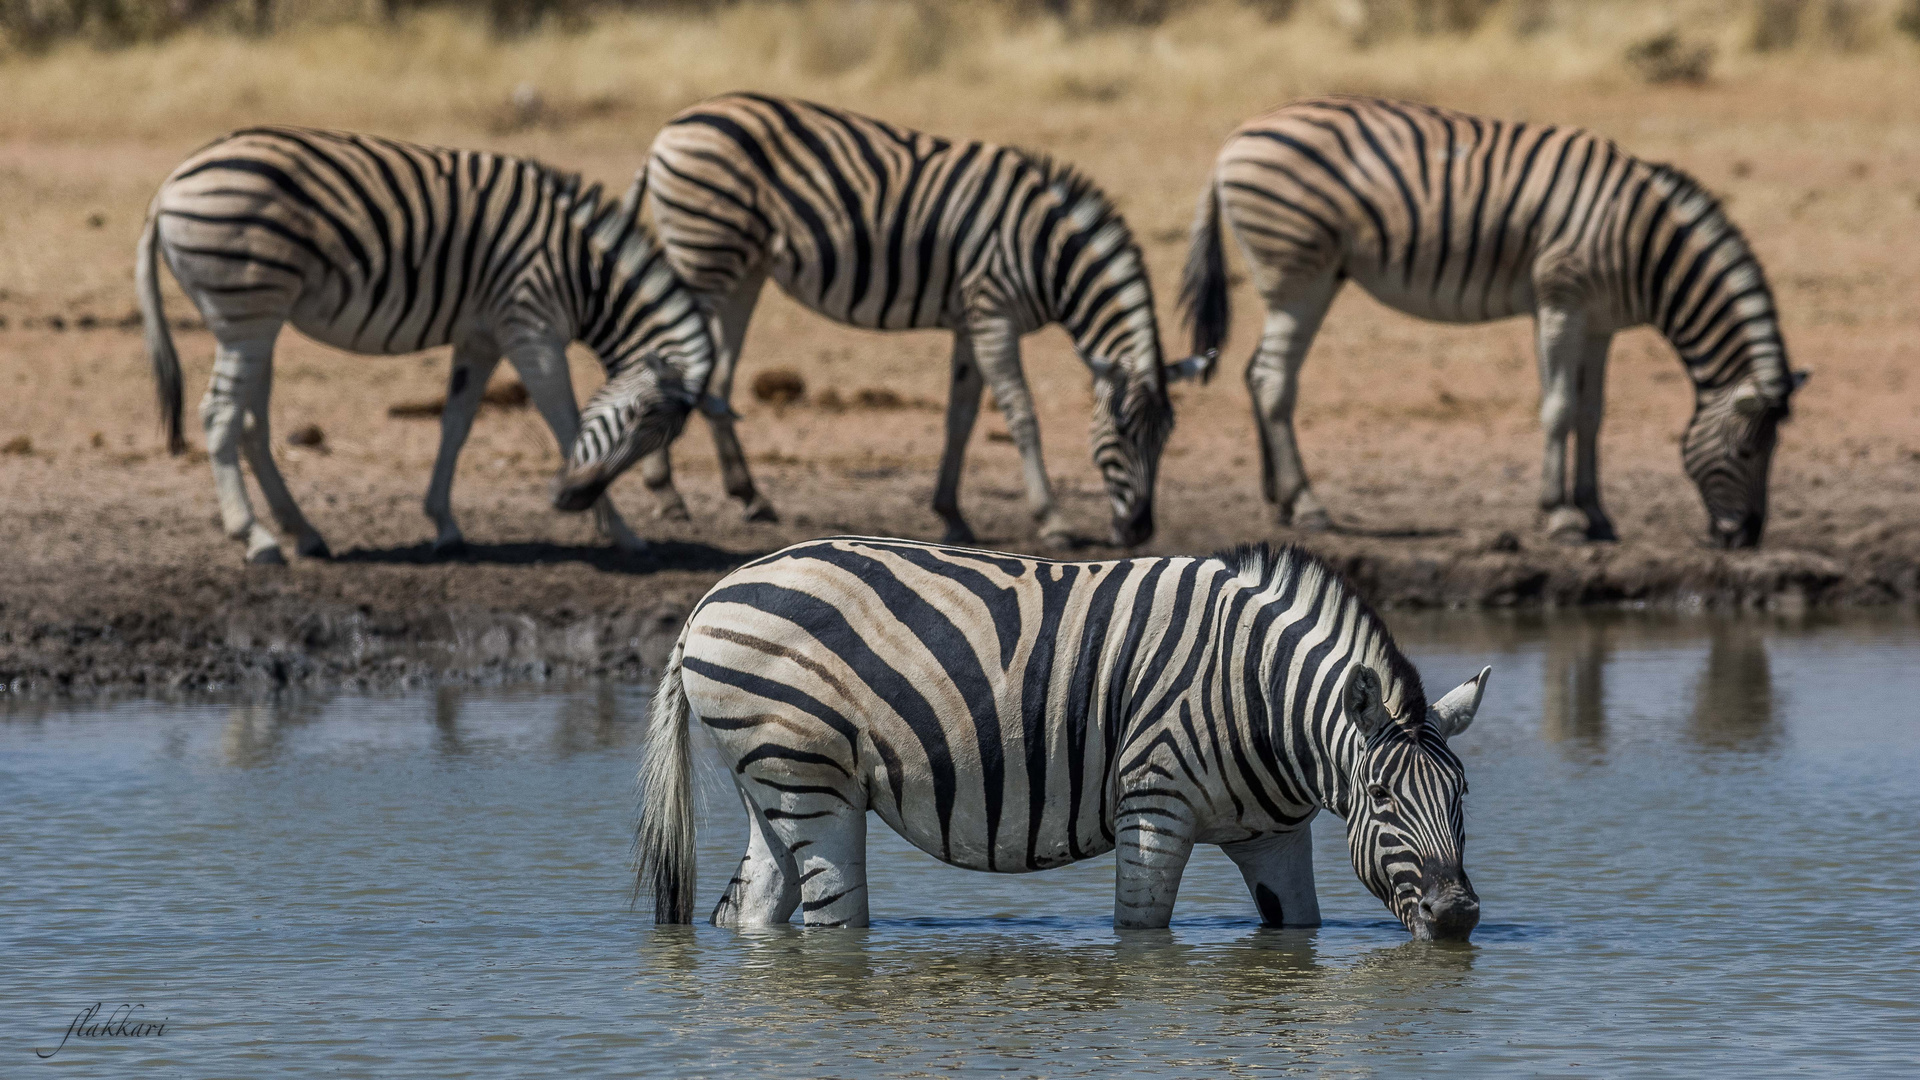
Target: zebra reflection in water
(1732,705)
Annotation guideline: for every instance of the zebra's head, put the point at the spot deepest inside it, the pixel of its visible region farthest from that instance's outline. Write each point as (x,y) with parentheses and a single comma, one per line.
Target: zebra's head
(650,335)
(639,409)
(1728,451)
(1131,421)
(1405,828)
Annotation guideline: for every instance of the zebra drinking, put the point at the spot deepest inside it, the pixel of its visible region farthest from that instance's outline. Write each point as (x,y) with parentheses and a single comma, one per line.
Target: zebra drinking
(880,227)
(377,246)
(1010,714)
(1464,219)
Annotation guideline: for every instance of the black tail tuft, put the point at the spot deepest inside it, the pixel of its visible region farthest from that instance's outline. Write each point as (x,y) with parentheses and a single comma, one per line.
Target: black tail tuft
(1204,297)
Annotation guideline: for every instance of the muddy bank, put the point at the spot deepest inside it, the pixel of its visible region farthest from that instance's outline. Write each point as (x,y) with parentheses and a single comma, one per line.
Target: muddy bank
(533,612)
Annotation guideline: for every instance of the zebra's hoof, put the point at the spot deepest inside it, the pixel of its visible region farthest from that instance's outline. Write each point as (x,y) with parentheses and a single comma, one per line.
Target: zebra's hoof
(1314,521)
(313,547)
(1057,539)
(1567,526)
(267,556)
(760,510)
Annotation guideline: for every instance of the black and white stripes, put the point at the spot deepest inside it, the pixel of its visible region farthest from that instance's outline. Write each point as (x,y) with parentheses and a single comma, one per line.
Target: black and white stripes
(1011,714)
(881,227)
(1465,219)
(378,246)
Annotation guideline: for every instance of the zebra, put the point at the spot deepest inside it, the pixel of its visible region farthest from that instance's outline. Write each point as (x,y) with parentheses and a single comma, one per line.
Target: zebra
(378,246)
(1010,714)
(881,227)
(1464,219)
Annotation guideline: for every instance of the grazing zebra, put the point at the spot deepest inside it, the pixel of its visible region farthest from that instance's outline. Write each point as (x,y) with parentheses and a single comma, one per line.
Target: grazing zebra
(881,227)
(1464,219)
(1012,714)
(377,246)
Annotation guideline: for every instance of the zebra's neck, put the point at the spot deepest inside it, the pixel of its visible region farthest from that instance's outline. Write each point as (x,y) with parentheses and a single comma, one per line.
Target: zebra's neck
(1693,277)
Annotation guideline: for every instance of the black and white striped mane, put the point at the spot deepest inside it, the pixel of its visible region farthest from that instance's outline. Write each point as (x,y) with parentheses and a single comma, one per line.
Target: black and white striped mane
(1264,566)
(1074,188)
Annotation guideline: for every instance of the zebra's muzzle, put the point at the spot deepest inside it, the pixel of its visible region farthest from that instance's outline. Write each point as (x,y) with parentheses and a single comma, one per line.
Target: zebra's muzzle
(1732,533)
(1447,912)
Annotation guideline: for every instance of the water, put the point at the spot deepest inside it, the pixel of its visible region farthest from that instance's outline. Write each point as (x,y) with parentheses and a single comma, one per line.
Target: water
(1695,842)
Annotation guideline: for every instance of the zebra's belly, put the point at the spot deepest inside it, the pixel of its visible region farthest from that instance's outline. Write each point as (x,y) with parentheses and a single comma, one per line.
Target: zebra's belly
(966,844)
(352,328)
(1448,301)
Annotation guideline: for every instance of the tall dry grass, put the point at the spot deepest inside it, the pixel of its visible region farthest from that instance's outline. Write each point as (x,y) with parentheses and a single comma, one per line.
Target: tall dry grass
(441,70)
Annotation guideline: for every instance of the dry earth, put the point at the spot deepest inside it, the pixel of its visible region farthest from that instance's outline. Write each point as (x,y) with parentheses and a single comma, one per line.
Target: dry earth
(1420,438)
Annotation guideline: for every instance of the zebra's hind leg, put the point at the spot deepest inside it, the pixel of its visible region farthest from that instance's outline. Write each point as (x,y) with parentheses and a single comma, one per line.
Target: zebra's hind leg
(824,830)
(238,362)
(1294,314)
(473,364)
(256,440)
(1279,873)
(963,408)
(766,887)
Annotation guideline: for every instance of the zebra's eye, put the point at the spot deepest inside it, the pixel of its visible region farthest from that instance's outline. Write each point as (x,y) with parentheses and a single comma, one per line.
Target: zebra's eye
(1380,793)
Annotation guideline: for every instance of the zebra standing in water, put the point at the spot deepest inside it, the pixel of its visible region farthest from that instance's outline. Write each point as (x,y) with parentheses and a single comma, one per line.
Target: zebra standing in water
(1012,714)
(377,246)
(1464,219)
(881,227)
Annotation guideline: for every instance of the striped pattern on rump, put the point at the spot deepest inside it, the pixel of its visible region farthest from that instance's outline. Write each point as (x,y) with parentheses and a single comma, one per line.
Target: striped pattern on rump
(1010,714)
(1461,218)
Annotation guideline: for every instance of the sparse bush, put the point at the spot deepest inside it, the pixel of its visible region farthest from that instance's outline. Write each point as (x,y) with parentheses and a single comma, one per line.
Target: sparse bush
(1667,58)
(1776,24)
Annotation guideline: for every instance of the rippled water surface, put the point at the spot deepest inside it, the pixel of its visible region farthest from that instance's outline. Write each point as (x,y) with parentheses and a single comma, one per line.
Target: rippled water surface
(1696,844)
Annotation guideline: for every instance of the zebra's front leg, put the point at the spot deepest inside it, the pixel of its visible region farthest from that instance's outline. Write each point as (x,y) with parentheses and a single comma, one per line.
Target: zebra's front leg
(656,471)
(473,364)
(237,364)
(1151,848)
(1279,873)
(765,889)
(996,350)
(1273,383)
(730,329)
(1561,348)
(541,362)
(1588,413)
(963,408)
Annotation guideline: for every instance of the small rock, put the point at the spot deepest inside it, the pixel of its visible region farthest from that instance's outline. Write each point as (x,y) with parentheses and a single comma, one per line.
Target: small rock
(779,386)
(19,444)
(307,435)
(875,397)
(97,440)
(507,395)
(96,221)
(1506,541)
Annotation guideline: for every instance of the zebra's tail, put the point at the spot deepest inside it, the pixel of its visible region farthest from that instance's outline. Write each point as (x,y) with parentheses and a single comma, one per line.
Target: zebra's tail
(160,352)
(663,841)
(1204,295)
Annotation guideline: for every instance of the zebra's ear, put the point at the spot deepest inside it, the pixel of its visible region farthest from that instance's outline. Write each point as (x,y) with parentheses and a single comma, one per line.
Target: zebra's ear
(1361,698)
(1452,713)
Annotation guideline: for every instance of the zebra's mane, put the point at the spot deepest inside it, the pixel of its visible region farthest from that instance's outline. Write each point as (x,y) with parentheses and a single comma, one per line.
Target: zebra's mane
(1686,190)
(1074,188)
(1264,566)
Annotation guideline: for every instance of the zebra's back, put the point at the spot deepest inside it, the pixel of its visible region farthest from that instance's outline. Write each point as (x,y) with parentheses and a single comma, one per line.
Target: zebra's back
(1437,213)
(868,223)
(379,246)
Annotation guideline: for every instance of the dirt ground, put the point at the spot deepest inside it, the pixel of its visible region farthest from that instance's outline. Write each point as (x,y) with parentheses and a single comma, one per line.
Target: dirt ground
(1421,439)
